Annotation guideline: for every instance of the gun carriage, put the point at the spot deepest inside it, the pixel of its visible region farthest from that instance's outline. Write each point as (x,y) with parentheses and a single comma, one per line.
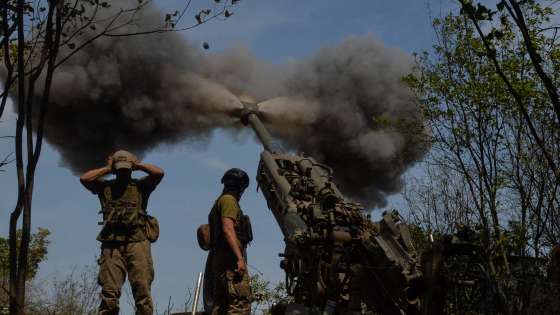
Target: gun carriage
(335,256)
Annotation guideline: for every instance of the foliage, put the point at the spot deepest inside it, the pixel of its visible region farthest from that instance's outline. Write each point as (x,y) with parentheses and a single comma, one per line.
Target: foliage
(38,250)
(267,293)
(490,114)
(77,293)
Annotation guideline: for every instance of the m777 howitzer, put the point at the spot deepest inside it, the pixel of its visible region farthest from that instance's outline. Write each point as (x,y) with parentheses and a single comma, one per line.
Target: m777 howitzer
(335,257)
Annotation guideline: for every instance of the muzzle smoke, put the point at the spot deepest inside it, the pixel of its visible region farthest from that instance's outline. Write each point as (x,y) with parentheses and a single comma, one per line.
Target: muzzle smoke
(137,93)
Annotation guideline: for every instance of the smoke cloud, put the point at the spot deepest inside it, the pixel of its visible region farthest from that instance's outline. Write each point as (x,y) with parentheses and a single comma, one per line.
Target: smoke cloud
(138,93)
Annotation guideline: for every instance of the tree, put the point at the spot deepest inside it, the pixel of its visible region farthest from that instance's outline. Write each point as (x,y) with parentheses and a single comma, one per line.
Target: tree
(267,293)
(521,15)
(35,38)
(487,166)
(77,293)
(38,251)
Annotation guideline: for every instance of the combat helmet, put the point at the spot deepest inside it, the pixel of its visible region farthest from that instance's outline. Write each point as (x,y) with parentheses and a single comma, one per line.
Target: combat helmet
(240,177)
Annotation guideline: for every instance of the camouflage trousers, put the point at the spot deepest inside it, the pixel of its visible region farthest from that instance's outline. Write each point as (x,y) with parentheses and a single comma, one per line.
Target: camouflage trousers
(232,293)
(118,259)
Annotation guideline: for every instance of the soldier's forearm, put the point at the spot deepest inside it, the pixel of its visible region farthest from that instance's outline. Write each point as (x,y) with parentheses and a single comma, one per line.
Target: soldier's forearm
(150,169)
(155,174)
(90,178)
(93,175)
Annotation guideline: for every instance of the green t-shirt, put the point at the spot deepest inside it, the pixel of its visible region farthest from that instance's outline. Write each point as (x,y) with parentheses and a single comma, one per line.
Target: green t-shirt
(228,207)
(113,190)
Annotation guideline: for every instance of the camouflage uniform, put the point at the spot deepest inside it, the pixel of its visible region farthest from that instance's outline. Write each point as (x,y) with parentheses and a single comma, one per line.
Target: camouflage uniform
(118,258)
(125,249)
(554,275)
(232,293)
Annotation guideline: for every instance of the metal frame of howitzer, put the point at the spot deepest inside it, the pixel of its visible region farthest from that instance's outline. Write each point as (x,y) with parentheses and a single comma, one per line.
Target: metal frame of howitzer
(335,256)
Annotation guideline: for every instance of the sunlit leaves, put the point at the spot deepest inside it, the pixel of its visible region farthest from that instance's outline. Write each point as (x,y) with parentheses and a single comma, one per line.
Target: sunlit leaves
(268,292)
(478,128)
(495,34)
(501,5)
(169,16)
(201,17)
(38,250)
(480,12)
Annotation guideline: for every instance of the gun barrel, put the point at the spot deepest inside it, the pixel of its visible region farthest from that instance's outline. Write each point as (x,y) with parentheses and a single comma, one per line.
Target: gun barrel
(251,116)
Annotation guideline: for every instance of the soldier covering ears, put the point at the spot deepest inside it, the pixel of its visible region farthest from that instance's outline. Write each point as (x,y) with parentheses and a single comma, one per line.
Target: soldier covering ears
(124,245)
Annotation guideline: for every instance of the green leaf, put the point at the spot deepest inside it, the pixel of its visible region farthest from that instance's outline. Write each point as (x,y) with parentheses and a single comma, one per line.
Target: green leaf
(479,14)
(467,8)
(501,5)
(499,34)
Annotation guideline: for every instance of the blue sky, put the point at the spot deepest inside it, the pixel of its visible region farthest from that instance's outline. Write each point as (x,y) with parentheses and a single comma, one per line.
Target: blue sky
(277,31)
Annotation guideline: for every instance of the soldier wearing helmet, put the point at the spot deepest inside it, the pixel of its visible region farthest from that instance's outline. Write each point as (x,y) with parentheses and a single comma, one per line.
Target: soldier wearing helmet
(124,246)
(230,233)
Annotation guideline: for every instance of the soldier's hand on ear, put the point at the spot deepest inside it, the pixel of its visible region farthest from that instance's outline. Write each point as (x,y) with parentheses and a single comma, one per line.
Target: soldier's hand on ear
(134,163)
(110,165)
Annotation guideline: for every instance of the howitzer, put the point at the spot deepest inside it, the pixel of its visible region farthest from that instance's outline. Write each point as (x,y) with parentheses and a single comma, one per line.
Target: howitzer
(335,257)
